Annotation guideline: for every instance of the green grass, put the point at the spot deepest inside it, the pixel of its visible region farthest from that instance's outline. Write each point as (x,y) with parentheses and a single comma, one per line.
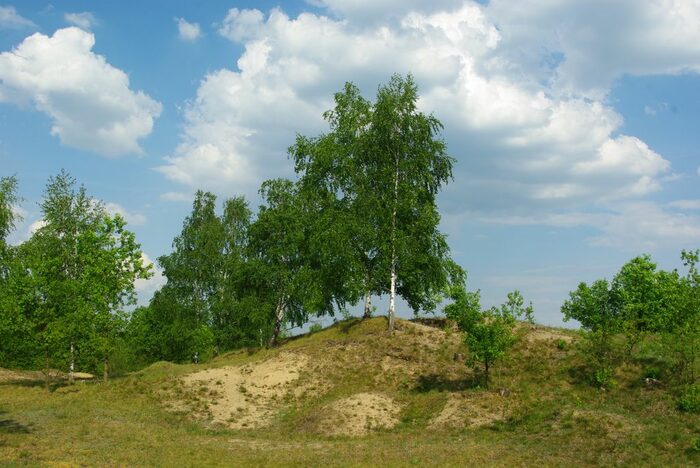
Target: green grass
(555,416)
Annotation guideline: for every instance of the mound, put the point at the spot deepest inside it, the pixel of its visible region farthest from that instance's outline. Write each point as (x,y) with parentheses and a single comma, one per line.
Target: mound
(359,414)
(245,396)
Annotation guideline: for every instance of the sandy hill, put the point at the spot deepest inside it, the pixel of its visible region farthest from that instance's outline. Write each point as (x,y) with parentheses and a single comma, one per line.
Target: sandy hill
(355,378)
(354,395)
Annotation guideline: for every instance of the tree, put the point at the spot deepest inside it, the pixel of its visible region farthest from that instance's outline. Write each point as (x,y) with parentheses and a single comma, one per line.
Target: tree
(380,167)
(8,215)
(682,329)
(641,296)
(83,264)
(489,334)
(599,310)
(291,283)
(16,350)
(208,303)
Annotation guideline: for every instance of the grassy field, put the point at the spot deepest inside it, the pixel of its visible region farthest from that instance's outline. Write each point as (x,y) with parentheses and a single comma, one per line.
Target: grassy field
(540,409)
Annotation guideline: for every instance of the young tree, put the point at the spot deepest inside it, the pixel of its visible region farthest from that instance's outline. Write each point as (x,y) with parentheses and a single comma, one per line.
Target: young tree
(489,334)
(641,296)
(682,330)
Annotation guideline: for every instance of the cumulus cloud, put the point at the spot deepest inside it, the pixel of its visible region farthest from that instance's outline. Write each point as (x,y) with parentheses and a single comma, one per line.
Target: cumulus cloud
(88,100)
(10,19)
(582,47)
(84,20)
(134,219)
(511,130)
(188,31)
(146,287)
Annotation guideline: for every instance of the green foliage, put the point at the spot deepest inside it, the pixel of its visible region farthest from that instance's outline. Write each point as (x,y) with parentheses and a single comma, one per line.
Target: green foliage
(70,282)
(376,175)
(642,302)
(689,401)
(315,328)
(210,302)
(489,334)
(604,377)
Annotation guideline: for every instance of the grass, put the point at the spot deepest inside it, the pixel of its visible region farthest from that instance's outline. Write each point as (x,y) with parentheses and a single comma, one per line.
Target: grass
(554,416)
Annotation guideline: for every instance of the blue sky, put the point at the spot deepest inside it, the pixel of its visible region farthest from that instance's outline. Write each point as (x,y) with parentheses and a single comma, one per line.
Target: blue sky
(574,124)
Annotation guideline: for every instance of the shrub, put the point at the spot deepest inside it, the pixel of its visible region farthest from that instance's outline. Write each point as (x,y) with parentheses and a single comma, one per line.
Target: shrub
(604,378)
(690,400)
(316,327)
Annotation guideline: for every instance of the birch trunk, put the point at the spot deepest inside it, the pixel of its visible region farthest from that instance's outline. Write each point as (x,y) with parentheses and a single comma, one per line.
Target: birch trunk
(71,370)
(392,296)
(368,306)
(105,373)
(279,317)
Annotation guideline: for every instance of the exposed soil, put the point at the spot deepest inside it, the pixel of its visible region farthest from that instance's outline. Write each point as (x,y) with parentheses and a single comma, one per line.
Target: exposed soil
(247,396)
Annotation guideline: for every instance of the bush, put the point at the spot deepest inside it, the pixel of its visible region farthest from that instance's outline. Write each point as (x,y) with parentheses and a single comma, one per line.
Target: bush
(604,378)
(690,400)
(695,444)
(316,327)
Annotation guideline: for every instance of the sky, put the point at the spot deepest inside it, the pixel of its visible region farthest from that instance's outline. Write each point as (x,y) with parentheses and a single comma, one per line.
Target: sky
(574,125)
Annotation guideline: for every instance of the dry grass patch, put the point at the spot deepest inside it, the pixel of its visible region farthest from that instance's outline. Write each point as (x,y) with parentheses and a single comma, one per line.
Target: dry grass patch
(472,410)
(358,415)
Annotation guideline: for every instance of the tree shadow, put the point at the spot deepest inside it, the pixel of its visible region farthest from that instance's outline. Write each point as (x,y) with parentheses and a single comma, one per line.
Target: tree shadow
(10,426)
(347,325)
(54,384)
(427,383)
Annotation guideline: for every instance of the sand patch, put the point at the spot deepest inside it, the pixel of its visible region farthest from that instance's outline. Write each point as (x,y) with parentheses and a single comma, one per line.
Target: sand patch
(359,414)
(474,410)
(246,396)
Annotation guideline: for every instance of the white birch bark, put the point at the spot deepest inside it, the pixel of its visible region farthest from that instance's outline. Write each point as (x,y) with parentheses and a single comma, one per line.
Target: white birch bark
(392,296)
(71,372)
(279,317)
(368,305)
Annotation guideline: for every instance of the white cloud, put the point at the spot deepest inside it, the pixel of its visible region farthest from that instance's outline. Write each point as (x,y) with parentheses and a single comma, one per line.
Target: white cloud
(375,11)
(177,196)
(84,20)
(512,132)
(88,100)
(146,288)
(134,219)
(685,204)
(188,31)
(10,19)
(582,47)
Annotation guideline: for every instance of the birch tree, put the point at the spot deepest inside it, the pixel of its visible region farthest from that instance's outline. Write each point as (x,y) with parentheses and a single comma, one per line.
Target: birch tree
(383,165)
(83,263)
